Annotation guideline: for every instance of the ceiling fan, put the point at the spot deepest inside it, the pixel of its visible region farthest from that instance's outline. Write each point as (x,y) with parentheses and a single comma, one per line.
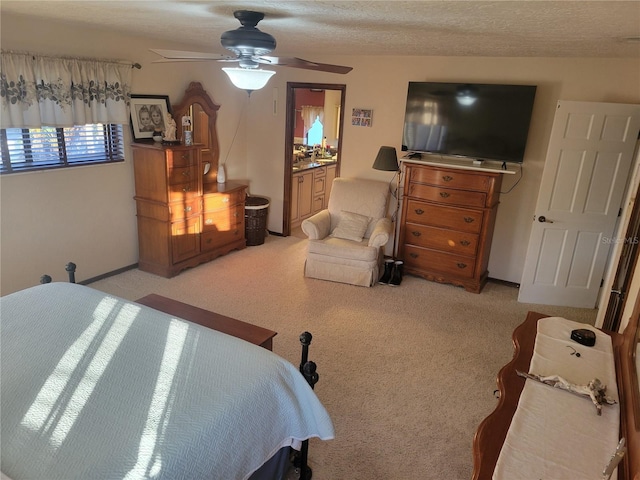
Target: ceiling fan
(251,47)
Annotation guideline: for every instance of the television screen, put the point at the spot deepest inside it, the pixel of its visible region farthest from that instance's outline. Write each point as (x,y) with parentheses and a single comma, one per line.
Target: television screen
(478,121)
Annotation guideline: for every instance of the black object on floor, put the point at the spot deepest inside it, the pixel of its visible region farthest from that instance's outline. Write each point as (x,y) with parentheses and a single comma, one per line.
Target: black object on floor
(396,276)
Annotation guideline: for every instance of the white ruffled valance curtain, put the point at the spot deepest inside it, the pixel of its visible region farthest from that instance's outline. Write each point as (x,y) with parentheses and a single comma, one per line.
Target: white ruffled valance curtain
(309,114)
(38,91)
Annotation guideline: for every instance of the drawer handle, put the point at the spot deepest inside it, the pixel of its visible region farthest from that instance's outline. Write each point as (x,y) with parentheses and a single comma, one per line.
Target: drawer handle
(208,221)
(469,219)
(465,243)
(416,234)
(445,194)
(419,211)
(186,173)
(413,255)
(447,178)
(209,240)
(185,156)
(225,199)
(461,265)
(187,209)
(186,189)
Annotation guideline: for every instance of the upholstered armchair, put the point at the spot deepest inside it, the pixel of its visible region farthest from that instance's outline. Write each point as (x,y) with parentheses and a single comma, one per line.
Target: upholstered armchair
(346,240)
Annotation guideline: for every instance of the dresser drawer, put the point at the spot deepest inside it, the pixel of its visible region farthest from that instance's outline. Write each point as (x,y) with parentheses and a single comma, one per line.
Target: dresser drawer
(216,201)
(434,261)
(180,175)
(451,179)
(224,219)
(183,191)
(440,239)
(181,158)
(447,195)
(215,239)
(460,219)
(184,209)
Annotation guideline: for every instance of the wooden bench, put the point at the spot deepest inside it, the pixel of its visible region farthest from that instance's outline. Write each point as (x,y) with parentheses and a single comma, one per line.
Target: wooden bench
(251,333)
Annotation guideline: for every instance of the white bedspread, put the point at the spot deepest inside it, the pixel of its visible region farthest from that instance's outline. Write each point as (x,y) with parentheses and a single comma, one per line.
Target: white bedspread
(555,434)
(94,386)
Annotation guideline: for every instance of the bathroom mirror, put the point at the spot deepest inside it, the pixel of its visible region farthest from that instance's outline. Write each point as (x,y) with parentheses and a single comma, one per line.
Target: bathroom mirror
(313,133)
(203,113)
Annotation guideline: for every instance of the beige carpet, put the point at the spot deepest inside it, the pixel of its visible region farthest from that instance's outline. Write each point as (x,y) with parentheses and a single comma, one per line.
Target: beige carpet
(407,373)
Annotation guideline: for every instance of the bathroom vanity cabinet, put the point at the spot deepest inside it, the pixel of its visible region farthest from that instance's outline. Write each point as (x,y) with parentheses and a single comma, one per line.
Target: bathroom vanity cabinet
(310,191)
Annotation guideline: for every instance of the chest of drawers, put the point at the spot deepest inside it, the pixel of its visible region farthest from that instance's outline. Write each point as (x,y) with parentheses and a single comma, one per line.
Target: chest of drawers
(184,217)
(447,223)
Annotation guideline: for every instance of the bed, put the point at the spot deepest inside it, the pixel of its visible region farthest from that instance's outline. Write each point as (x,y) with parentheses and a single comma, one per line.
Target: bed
(537,431)
(95,386)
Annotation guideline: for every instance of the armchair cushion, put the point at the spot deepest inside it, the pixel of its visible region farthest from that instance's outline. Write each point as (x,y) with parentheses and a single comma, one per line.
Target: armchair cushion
(351,226)
(345,250)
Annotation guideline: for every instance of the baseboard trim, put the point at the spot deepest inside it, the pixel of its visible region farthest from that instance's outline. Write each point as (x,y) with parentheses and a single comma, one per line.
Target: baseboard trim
(108,274)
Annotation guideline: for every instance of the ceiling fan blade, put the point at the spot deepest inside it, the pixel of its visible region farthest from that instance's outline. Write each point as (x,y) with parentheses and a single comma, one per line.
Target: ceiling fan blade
(301,63)
(181,56)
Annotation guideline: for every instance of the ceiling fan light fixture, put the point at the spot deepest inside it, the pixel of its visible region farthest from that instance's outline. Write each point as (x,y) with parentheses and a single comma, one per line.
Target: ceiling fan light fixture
(248,78)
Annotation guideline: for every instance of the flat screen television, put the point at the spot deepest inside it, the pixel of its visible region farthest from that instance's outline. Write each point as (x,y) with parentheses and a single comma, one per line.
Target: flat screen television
(476,121)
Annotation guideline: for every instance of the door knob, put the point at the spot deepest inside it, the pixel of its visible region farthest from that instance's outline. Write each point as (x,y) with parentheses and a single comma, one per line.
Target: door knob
(543,219)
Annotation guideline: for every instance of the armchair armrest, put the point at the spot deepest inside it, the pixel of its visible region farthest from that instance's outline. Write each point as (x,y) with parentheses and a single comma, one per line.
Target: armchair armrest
(381,232)
(318,226)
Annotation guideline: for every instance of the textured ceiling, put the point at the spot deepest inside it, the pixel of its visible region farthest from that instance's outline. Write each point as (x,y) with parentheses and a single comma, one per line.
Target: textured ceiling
(519,28)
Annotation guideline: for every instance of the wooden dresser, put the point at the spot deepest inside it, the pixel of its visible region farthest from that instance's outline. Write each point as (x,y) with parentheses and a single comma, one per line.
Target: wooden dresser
(448,216)
(184,217)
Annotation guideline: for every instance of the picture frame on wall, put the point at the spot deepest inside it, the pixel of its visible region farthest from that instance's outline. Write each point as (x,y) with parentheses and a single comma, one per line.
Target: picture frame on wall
(361,117)
(148,114)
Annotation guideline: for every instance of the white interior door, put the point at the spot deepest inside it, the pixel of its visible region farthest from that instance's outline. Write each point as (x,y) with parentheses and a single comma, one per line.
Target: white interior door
(585,174)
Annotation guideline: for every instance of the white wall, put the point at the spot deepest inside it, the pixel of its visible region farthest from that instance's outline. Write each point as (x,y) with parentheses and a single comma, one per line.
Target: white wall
(87,214)
(105,239)
(380,83)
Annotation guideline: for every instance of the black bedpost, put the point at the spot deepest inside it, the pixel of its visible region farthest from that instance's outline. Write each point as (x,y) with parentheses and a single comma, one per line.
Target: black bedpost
(71,270)
(308,370)
(305,340)
(45,279)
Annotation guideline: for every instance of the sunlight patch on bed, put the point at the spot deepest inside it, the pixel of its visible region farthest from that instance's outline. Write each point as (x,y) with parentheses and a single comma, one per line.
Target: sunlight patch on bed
(149,463)
(45,413)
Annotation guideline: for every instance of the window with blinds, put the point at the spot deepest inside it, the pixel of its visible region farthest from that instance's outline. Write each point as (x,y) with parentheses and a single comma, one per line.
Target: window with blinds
(25,149)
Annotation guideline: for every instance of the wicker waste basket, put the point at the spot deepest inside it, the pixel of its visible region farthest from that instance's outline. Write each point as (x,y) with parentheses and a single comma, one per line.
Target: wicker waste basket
(255,219)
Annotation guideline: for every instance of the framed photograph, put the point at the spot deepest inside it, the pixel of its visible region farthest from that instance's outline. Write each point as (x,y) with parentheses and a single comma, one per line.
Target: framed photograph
(148,114)
(361,117)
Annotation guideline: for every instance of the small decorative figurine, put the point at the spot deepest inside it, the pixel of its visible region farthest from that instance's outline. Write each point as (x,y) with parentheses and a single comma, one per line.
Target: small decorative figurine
(170,130)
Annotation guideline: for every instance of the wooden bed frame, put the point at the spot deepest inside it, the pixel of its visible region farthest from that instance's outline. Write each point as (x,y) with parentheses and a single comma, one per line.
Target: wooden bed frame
(307,367)
(491,433)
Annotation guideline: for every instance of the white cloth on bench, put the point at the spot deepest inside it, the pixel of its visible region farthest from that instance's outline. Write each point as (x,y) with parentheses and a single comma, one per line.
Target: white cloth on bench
(555,434)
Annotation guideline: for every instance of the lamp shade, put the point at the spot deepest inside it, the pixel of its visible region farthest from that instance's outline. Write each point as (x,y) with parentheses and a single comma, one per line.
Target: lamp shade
(249,78)
(386,160)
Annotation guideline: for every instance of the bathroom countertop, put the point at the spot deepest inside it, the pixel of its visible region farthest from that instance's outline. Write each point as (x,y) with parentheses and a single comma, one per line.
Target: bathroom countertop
(299,167)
